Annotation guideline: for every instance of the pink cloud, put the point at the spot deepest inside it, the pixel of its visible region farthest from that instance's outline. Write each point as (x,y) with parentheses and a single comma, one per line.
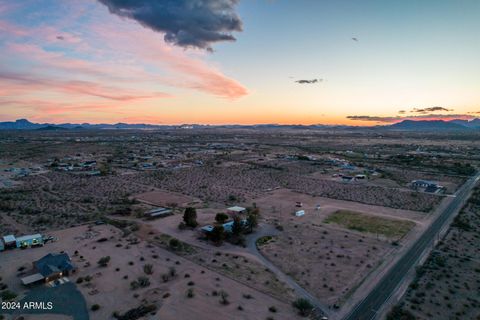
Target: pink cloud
(104,65)
(15,82)
(187,71)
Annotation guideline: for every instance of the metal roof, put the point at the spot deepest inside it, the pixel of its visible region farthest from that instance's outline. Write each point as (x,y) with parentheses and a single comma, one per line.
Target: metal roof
(29,237)
(32,278)
(9,238)
(236,208)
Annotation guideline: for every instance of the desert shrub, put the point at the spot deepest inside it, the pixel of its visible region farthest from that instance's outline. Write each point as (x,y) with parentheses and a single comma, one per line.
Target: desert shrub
(224,298)
(148,269)
(398,313)
(8,295)
(303,306)
(95,307)
(174,243)
(141,282)
(103,262)
(136,313)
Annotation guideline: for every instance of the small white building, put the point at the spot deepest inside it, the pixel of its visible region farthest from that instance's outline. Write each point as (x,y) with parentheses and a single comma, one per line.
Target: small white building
(235,210)
(9,241)
(159,212)
(300,213)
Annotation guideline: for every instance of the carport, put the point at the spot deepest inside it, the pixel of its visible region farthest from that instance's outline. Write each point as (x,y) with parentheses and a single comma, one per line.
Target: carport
(32,279)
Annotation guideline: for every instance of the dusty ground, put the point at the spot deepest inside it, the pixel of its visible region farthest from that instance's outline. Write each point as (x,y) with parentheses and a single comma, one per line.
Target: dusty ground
(166,199)
(223,167)
(327,259)
(109,288)
(447,285)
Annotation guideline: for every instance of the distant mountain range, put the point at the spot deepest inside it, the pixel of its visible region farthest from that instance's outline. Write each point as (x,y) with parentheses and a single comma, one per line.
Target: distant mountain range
(436,125)
(405,125)
(24,124)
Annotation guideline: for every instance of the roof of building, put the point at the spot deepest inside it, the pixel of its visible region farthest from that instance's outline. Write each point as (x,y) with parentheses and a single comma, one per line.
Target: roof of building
(9,238)
(236,209)
(29,237)
(159,210)
(431,188)
(32,278)
(300,213)
(53,263)
(424,182)
(207,228)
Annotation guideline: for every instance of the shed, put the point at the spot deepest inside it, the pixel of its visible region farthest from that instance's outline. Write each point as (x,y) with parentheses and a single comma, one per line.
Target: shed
(29,240)
(236,210)
(300,213)
(159,212)
(9,241)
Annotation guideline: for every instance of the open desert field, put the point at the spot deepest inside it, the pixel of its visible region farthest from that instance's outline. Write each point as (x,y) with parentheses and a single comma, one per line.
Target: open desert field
(175,285)
(66,185)
(326,252)
(162,198)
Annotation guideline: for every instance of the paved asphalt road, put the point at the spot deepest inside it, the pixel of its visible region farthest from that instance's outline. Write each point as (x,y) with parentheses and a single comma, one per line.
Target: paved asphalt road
(367,308)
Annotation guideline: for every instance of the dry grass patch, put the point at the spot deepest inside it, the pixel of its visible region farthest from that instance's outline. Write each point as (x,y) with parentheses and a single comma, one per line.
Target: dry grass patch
(391,228)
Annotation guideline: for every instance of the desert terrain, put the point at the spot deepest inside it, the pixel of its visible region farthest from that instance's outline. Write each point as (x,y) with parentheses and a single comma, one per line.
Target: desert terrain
(324,213)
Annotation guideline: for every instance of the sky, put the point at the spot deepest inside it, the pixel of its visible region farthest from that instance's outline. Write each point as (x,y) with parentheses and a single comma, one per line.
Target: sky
(239,61)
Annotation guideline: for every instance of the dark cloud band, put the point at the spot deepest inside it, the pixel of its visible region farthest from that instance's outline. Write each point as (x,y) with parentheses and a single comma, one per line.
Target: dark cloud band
(303,81)
(431,109)
(186,23)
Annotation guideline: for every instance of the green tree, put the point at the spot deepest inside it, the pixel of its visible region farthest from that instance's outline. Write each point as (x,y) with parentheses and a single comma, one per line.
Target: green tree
(217,235)
(190,217)
(221,217)
(252,221)
(237,227)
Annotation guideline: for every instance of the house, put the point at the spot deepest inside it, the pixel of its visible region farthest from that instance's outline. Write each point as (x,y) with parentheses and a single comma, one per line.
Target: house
(423,184)
(236,210)
(29,241)
(159,212)
(227,226)
(429,186)
(51,267)
(9,241)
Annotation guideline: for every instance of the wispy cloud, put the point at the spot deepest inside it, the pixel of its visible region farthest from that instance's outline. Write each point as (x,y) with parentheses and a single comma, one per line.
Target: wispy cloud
(430,109)
(393,119)
(31,83)
(82,60)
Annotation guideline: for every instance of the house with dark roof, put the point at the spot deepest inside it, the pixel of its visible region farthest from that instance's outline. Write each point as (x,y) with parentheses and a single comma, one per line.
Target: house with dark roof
(54,266)
(49,268)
